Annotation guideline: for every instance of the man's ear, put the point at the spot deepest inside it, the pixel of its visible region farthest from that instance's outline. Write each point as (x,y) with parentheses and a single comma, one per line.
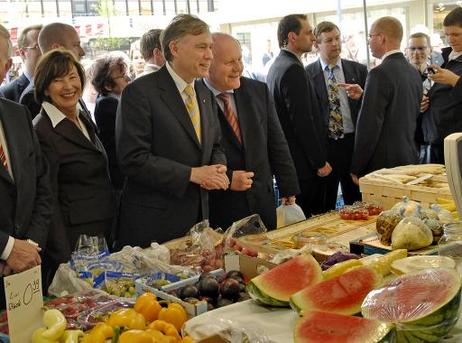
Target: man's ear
(291,36)
(173,46)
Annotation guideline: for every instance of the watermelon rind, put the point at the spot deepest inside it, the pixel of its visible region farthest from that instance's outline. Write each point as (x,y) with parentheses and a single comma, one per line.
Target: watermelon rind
(274,287)
(342,294)
(428,324)
(325,327)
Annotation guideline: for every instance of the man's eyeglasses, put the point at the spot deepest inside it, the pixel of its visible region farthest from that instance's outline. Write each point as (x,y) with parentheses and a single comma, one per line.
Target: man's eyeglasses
(31,47)
(417,48)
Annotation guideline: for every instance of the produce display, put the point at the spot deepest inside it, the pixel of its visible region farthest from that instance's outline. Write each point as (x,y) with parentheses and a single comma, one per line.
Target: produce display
(325,327)
(272,289)
(423,305)
(360,211)
(417,263)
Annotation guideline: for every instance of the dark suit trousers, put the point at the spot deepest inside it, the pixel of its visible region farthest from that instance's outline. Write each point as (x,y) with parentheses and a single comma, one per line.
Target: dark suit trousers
(339,153)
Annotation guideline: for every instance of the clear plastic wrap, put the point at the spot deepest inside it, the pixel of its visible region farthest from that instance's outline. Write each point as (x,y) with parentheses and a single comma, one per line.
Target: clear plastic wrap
(289,214)
(228,331)
(424,305)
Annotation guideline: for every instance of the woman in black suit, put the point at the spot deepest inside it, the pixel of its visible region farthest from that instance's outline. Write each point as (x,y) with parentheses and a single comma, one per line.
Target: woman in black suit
(83,196)
(110,76)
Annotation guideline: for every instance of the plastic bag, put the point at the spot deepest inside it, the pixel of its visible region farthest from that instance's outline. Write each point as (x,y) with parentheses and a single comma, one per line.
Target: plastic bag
(88,249)
(228,331)
(289,214)
(250,230)
(201,249)
(67,281)
(422,304)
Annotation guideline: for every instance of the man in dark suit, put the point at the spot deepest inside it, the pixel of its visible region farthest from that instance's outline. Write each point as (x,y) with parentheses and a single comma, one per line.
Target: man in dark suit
(445,98)
(25,194)
(29,51)
(391,104)
(329,73)
(168,140)
(298,109)
(253,141)
(53,36)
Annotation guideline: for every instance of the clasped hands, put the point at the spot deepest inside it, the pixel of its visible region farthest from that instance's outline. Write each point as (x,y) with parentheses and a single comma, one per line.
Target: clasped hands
(23,256)
(210,177)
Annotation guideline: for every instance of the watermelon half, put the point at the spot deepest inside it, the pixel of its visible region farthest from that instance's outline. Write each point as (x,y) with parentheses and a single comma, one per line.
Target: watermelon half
(275,286)
(325,327)
(342,294)
(423,305)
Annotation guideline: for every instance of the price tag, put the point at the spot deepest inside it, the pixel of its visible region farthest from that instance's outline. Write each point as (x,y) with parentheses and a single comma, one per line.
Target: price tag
(24,302)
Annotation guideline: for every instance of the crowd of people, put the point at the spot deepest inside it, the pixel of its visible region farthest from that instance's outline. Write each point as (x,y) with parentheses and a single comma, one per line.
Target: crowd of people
(191,138)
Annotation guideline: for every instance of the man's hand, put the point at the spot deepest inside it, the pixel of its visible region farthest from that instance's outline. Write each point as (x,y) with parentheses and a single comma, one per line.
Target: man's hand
(444,76)
(324,171)
(353,90)
(210,177)
(23,256)
(241,181)
(288,200)
(424,104)
(355,179)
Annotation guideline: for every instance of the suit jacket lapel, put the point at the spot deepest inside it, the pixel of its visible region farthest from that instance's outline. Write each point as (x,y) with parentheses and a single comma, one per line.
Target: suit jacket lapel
(350,77)
(14,146)
(174,101)
(244,105)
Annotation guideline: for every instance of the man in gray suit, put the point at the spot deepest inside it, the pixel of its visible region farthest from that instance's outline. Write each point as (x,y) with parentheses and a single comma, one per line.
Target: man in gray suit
(391,104)
(167,140)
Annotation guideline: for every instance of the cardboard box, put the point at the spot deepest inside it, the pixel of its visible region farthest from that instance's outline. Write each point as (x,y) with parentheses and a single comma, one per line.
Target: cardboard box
(248,266)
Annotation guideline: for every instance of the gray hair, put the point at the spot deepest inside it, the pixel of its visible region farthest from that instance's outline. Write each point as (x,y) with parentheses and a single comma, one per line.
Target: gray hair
(180,26)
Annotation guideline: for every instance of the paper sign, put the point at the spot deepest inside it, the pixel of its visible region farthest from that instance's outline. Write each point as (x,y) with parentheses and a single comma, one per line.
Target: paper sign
(24,302)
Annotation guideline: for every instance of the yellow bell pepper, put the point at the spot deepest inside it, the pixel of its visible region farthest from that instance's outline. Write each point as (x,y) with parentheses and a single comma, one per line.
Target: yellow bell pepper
(136,336)
(148,306)
(37,337)
(55,323)
(158,336)
(166,328)
(127,317)
(174,314)
(98,334)
(71,336)
(187,339)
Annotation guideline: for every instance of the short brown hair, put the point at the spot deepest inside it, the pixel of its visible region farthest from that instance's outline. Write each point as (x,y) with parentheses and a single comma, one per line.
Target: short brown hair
(5,35)
(53,64)
(180,26)
(22,37)
(149,41)
(390,26)
(324,26)
(102,70)
(290,23)
(422,35)
(454,18)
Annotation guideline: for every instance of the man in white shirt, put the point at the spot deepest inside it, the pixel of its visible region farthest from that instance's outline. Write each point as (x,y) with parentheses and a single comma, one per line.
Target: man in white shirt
(168,140)
(25,195)
(391,104)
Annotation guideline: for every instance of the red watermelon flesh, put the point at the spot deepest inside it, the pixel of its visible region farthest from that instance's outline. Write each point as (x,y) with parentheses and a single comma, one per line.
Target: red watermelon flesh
(412,296)
(342,294)
(289,277)
(325,327)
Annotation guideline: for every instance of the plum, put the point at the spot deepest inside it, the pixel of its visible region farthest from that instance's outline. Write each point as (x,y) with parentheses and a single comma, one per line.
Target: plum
(189,291)
(230,289)
(209,287)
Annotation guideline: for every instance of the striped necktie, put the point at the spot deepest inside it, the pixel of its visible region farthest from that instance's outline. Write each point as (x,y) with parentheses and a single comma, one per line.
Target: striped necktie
(230,115)
(193,109)
(3,157)
(335,115)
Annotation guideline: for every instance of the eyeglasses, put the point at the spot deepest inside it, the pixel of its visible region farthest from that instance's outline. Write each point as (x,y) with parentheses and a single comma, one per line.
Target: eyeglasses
(417,48)
(31,47)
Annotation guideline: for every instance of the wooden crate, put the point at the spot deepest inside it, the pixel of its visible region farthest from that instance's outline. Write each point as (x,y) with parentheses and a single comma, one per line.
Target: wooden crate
(388,194)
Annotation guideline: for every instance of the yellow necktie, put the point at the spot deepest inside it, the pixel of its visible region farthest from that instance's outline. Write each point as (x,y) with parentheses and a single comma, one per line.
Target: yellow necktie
(193,109)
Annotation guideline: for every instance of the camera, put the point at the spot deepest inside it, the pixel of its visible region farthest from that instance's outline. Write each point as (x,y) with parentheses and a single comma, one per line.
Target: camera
(431,70)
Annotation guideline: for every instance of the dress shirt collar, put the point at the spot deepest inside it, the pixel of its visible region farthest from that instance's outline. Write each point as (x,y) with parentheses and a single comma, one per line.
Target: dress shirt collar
(453,55)
(324,64)
(179,82)
(391,52)
(216,91)
(56,116)
(28,76)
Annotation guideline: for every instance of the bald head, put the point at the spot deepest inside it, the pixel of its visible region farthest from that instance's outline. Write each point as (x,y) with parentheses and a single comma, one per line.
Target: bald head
(60,35)
(226,68)
(390,27)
